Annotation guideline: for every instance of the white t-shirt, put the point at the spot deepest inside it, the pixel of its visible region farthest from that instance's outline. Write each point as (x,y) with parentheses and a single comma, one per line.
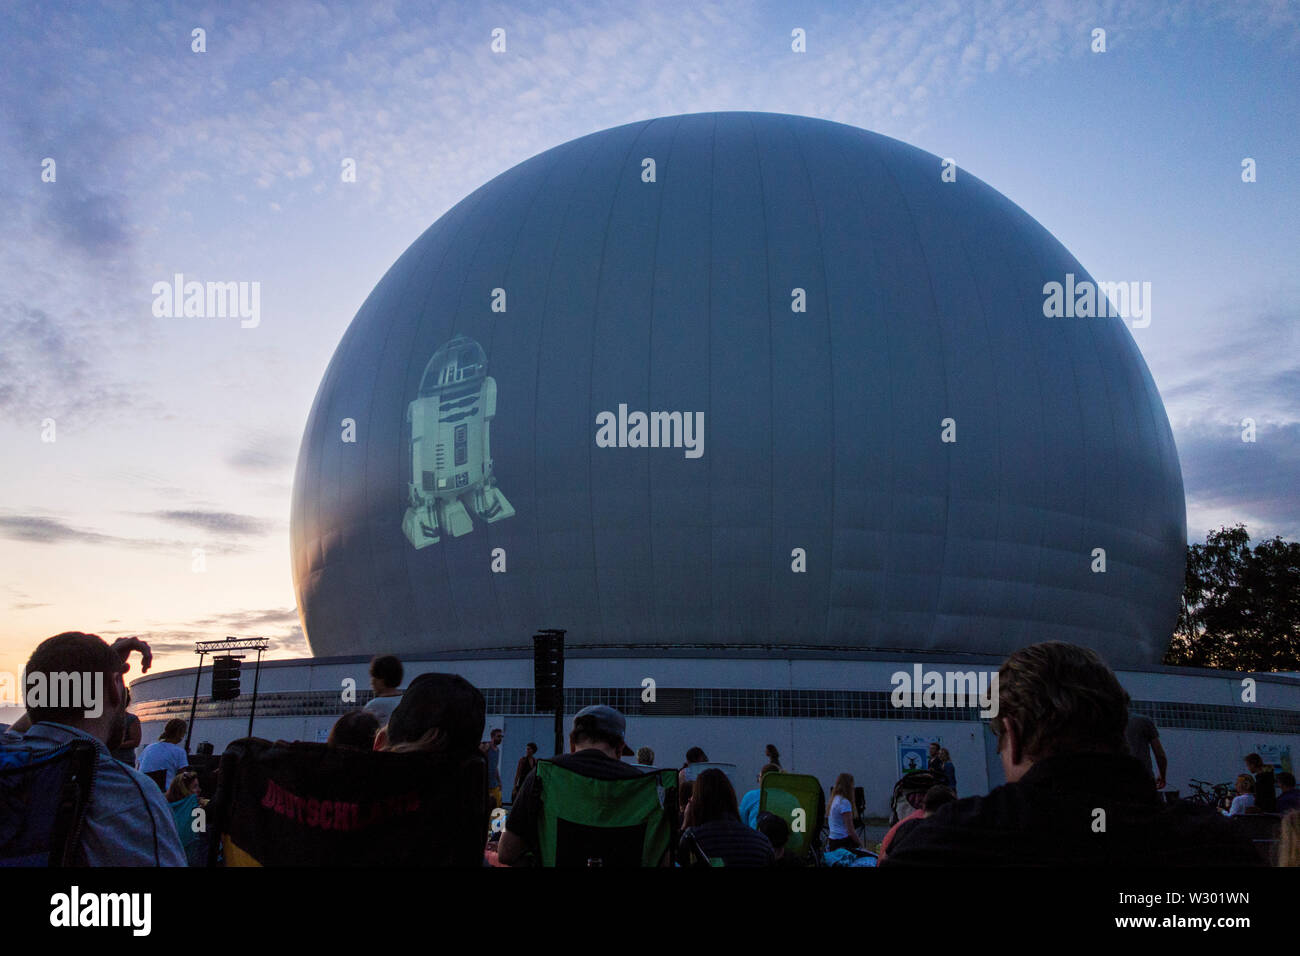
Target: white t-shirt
(162,755)
(839,806)
(383,707)
(1240,803)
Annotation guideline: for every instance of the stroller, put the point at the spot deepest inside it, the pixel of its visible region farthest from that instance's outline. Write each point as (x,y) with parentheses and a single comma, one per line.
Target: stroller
(909,793)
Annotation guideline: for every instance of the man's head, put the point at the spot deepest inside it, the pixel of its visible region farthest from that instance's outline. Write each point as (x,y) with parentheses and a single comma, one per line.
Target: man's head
(497,736)
(1286,781)
(385,673)
(1056,698)
(645,757)
(599,728)
(696,755)
(1254,763)
(934,749)
(936,797)
(76,679)
(439,713)
(530,749)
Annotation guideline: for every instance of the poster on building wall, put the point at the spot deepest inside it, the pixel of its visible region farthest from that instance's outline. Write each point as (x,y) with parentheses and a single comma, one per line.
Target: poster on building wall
(1278,756)
(914,753)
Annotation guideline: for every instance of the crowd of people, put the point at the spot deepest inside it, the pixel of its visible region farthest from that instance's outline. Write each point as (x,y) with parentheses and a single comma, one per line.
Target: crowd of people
(1075,794)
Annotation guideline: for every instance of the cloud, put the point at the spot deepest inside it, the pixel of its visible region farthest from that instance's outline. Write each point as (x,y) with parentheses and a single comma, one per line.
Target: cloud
(40,530)
(285,639)
(1245,364)
(221,522)
(46,530)
(46,369)
(278,617)
(1227,479)
(264,452)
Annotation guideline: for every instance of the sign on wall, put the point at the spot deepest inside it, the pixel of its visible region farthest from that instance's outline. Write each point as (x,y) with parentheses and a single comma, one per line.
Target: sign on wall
(914,753)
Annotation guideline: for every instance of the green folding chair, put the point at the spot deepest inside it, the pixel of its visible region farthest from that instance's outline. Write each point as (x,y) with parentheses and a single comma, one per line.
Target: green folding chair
(797,799)
(628,822)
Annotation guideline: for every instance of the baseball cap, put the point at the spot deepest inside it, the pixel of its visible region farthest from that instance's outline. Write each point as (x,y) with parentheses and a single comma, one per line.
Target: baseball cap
(607,721)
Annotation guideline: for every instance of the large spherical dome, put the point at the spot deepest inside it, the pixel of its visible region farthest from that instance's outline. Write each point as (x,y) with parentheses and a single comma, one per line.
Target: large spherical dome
(686,382)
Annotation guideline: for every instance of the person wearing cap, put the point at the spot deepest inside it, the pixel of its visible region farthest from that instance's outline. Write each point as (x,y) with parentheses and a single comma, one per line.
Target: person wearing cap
(596,746)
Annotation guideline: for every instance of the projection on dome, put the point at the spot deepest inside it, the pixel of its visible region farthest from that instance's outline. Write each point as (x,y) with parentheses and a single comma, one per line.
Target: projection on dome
(450,443)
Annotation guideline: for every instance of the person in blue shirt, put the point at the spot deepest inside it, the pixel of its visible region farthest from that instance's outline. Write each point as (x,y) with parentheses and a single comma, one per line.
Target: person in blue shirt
(128,822)
(749,802)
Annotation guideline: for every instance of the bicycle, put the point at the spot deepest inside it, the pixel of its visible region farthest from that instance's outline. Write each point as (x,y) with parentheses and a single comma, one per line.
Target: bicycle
(1208,794)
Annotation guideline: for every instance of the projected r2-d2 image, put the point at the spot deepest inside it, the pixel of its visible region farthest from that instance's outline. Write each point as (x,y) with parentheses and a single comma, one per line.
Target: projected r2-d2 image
(451,457)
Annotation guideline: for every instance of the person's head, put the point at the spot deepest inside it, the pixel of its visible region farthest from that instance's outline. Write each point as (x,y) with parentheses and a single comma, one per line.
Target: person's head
(1056,698)
(1254,763)
(1245,783)
(645,757)
(943,754)
(936,797)
(497,736)
(530,749)
(843,787)
(934,749)
(773,755)
(385,673)
(183,784)
(767,768)
(173,731)
(355,730)
(205,748)
(76,679)
(439,713)
(776,830)
(714,797)
(696,755)
(1288,847)
(602,728)
(1286,781)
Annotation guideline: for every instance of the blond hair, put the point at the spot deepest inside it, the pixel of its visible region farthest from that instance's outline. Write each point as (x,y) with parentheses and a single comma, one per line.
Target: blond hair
(1288,847)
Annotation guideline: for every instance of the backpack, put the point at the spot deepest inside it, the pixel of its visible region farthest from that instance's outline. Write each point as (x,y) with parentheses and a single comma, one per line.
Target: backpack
(44,796)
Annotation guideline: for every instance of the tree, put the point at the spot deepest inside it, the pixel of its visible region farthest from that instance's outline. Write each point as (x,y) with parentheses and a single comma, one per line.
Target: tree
(1241,607)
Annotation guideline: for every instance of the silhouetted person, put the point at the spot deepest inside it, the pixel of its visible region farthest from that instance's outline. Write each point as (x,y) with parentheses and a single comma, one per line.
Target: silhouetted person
(1060,728)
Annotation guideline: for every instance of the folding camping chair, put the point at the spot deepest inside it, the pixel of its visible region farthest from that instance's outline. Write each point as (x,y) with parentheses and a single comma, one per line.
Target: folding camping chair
(627,822)
(307,804)
(799,800)
(43,803)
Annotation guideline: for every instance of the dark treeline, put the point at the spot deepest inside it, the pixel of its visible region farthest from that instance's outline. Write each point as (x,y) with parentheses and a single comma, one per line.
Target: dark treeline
(1241,605)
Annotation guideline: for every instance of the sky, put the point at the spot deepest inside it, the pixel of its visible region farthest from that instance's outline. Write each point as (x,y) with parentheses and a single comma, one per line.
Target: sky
(172,434)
